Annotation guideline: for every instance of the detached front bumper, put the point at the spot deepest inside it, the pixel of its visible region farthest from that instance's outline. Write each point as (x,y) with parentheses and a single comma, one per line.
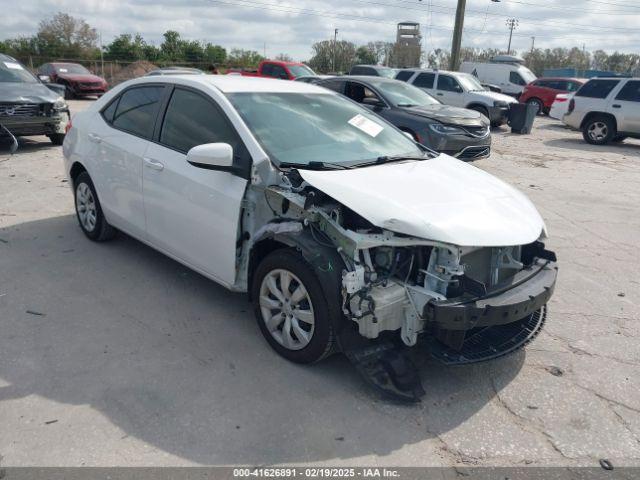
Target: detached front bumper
(40,125)
(528,291)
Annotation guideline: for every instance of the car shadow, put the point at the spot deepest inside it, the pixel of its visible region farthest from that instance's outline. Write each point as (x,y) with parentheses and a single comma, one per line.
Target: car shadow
(26,145)
(173,359)
(625,148)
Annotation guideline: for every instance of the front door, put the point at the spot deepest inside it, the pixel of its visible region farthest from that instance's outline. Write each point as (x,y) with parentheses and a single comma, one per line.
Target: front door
(626,107)
(193,213)
(449,91)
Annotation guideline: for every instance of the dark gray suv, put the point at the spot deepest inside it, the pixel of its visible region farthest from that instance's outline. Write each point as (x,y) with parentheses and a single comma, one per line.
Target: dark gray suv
(458,132)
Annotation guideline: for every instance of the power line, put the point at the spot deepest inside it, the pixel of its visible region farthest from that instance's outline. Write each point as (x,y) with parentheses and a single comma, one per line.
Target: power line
(556,7)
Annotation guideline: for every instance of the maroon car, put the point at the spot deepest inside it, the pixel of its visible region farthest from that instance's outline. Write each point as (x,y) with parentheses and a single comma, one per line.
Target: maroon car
(78,80)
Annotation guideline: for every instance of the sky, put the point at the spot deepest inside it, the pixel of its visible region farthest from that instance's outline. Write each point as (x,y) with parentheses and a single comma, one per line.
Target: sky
(274,26)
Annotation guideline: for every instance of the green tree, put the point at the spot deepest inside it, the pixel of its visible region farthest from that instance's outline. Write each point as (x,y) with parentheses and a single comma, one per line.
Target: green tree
(244,58)
(171,48)
(366,56)
(126,47)
(325,51)
(66,36)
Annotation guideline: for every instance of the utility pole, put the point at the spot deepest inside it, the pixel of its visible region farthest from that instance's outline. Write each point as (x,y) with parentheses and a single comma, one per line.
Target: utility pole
(512,23)
(101,56)
(457,36)
(335,38)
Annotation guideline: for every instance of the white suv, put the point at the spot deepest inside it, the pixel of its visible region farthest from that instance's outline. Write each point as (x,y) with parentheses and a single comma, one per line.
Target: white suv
(460,90)
(606,110)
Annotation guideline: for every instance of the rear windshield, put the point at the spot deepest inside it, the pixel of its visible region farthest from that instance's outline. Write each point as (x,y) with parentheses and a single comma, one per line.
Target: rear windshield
(13,72)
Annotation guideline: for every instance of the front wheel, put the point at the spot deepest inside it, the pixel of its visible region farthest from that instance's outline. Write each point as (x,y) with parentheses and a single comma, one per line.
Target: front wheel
(537,103)
(599,130)
(89,212)
(291,309)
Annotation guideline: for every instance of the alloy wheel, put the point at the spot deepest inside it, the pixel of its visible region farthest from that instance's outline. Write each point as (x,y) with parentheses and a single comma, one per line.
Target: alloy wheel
(86,207)
(598,131)
(286,309)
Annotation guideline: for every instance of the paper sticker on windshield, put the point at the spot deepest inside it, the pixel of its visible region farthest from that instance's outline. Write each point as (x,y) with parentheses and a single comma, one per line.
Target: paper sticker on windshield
(63,70)
(369,127)
(13,65)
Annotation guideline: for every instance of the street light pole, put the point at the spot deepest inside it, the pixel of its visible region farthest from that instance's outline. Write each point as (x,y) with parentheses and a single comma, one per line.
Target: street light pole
(512,23)
(457,36)
(335,38)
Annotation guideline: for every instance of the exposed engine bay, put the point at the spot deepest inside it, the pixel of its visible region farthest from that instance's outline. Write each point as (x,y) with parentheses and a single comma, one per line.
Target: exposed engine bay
(395,285)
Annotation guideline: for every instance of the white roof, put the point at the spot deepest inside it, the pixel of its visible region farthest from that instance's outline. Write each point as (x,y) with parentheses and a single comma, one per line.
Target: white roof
(238,83)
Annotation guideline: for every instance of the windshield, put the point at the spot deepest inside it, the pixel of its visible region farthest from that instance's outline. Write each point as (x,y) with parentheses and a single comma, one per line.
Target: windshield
(71,68)
(527,74)
(300,70)
(469,82)
(299,128)
(401,94)
(13,72)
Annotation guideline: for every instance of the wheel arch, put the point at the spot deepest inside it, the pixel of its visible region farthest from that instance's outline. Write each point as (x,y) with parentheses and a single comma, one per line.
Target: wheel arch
(588,117)
(76,169)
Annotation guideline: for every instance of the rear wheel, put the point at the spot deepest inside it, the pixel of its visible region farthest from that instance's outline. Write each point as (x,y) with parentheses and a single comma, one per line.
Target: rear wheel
(599,130)
(290,307)
(56,138)
(89,212)
(537,103)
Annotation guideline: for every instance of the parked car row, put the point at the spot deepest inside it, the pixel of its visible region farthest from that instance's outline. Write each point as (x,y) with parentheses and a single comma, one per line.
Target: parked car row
(347,235)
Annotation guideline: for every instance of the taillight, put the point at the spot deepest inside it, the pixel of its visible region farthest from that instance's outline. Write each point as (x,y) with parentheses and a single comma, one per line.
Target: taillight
(572,105)
(68,126)
(560,100)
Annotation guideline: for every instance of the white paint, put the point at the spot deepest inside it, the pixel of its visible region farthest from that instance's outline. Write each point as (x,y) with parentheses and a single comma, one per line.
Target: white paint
(366,125)
(13,65)
(441,199)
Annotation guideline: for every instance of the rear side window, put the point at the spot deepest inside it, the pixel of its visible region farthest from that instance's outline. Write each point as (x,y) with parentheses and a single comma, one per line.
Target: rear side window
(630,92)
(597,88)
(336,86)
(137,109)
(404,75)
(424,80)
(108,112)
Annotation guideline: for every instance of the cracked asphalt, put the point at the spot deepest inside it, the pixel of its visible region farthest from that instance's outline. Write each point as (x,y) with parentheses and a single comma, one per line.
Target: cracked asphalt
(113,355)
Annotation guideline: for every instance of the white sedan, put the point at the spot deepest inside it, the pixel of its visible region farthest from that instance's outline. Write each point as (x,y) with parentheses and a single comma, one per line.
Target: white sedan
(346,234)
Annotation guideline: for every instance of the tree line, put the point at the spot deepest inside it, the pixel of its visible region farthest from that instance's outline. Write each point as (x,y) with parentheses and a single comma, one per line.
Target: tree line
(70,38)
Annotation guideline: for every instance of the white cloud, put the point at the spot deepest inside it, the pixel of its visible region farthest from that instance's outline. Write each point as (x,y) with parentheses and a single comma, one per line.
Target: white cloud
(290,27)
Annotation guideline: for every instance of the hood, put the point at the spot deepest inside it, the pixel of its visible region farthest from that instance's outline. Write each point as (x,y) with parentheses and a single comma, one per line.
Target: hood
(80,77)
(442,199)
(495,96)
(450,115)
(26,93)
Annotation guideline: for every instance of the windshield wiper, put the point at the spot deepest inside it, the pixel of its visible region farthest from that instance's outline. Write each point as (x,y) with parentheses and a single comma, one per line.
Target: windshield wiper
(391,158)
(315,165)
(407,105)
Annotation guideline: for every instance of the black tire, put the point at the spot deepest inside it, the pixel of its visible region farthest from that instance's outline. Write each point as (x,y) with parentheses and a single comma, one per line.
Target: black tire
(619,139)
(101,230)
(322,342)
(56,138)
(599,130)
(538,103)
(69,94)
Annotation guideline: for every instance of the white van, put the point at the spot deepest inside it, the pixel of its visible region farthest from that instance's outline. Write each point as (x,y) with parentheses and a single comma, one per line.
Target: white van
(511,77)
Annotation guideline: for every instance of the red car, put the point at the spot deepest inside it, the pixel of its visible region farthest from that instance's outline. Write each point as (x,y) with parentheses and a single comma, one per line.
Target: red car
(276,69)
(542,92)
(79,81)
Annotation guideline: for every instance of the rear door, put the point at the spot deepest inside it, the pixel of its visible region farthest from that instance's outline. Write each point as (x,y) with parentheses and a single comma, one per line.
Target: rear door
(192,212)
(426,81)
(626,107)
(120,137)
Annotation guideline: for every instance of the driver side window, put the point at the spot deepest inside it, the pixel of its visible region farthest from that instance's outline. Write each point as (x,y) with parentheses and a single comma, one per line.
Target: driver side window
(361,94)
(448,84)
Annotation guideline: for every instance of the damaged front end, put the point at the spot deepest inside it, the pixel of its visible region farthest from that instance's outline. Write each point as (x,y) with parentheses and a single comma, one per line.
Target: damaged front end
(462,304)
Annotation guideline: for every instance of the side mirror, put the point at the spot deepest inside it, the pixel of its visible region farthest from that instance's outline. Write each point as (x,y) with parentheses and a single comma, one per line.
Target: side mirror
(212,156)
(372,102)
(44,78)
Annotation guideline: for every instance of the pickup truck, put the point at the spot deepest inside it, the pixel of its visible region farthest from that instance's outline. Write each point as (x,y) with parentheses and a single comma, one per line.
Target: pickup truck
(275,69)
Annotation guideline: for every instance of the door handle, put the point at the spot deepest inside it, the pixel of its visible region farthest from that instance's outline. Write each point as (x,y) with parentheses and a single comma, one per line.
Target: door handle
(94,138)
(153,164)
(440,94)
(615,105)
